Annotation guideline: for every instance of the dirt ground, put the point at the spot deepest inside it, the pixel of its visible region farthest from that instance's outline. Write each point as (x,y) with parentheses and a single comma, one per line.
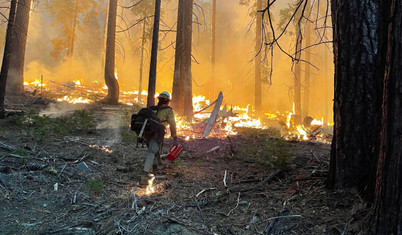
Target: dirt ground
(69,185)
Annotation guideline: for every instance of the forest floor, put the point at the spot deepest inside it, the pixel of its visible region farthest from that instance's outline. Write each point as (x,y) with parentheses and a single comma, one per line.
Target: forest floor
(55,178)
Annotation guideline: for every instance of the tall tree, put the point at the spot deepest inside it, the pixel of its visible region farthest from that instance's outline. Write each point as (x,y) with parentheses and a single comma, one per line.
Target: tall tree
(355,92)
(258,51)
(6,57)
(307,68)
(182,79)
(297,77)
(294,13)
(68,15)
(15,84)
(388,209)
(143,41)
(154,55)
(112,96)
(213,50)
(142,11)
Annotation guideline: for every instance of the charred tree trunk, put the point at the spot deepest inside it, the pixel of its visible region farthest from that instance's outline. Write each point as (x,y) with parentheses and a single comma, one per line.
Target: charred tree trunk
(213,50)
(258,51)
(105,35)
(188,79)
(6,57)
(388,210)
(15,84)
(112,96)
(182,80)
(154,56)
(178,79)
(354,30)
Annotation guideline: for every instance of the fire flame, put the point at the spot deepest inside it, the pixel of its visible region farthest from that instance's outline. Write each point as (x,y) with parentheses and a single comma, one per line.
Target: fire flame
(226,123)
(103,148)
(150,188)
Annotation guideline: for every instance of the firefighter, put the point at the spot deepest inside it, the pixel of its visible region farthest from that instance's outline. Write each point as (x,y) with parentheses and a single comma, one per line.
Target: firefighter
(166,115)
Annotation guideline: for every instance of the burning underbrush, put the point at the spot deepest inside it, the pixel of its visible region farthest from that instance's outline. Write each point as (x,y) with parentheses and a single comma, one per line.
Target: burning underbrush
(225,123)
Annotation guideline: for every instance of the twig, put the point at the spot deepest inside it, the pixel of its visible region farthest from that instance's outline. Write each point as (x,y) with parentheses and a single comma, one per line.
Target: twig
(224,179)
(204,190)
(7,147)
(134,204)
(238,200)
(316,158)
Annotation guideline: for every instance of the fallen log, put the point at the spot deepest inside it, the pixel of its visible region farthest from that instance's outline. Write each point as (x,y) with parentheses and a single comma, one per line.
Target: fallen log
(213,116)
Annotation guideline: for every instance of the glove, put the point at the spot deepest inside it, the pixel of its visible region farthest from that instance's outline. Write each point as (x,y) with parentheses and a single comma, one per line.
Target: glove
(175,142)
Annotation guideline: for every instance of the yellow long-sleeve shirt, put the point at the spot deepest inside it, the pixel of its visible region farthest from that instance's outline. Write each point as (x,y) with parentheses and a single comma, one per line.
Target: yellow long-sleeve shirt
(166,115)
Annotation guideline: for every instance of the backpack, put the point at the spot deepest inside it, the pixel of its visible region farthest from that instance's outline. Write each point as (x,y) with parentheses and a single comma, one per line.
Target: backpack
(146,123)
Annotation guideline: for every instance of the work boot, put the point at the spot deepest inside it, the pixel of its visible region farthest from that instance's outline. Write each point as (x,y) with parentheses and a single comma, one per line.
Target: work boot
(145,178)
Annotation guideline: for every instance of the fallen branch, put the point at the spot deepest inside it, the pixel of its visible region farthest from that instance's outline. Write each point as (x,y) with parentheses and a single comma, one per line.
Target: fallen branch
(214,149)
(6,147)
(213,116)
(238,201)
(257,186)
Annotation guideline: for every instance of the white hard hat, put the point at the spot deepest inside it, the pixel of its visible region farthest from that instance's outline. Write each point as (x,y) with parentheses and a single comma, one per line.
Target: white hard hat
(164,95)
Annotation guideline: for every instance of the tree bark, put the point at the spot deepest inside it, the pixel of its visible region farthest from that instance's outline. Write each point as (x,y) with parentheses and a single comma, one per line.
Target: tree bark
(6,57)
(154,56)
(388,209)
(71,42)
(355,43)
(188,80)
(182,80)
(141,62)
(15,84)
(213,50)
(178,78)
(105,35)
(112,96)
(297,84)
(257,72)
(307,68)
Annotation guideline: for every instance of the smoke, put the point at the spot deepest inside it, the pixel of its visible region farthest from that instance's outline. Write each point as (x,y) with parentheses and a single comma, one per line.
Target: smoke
(110,127)
(235,39)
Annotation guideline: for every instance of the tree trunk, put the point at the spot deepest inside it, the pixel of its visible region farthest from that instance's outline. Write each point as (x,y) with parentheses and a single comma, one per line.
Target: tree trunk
(112,96)
(388,209)
(142,61)
(354,30)
(213,50)
(297,80)
(307,68)
(15,84)
(6,57)
(154,56)
(258,51)
(178,78)
(182,80)
(105,35)
(188,79)
(70,51)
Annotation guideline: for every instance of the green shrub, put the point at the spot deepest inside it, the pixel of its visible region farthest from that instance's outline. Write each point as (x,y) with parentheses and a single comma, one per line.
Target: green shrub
(266,150)
(21,152)
(94,186)
(41,126)
(128,137)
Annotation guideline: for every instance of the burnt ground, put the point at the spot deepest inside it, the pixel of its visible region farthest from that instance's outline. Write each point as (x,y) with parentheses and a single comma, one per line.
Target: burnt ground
(45,189)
